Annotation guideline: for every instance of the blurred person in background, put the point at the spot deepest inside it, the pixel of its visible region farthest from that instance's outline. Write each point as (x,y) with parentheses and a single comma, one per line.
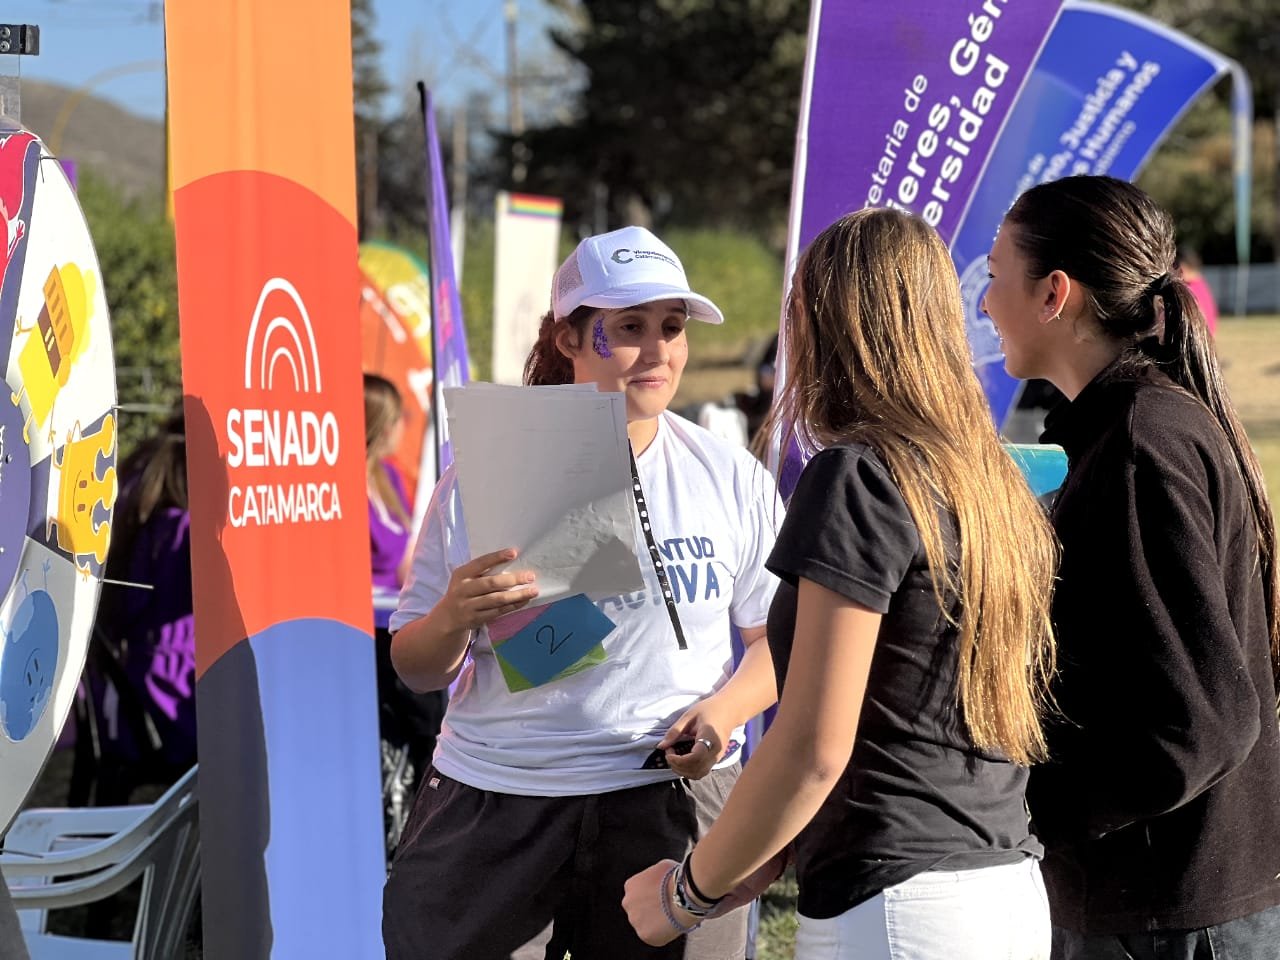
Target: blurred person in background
(756,403)
(738,418)
(139,724)
(408,722)
(1189,265)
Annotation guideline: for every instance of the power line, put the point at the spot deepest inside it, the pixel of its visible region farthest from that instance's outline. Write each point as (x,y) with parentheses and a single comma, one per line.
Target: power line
(465,52)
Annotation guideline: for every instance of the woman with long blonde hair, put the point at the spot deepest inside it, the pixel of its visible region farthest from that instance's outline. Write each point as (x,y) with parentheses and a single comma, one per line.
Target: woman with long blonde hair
(910,635)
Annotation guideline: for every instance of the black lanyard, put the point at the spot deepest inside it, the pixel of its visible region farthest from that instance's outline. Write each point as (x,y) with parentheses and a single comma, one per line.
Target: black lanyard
(658,568)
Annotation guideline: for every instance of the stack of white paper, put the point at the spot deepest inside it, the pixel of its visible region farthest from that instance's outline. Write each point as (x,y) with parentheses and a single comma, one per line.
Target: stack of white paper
(547,470)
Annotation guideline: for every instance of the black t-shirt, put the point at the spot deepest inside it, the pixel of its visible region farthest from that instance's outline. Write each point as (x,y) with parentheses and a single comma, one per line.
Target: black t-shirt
(917,794)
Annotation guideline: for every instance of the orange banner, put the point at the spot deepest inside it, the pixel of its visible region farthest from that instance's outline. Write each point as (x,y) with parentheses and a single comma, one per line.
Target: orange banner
(263,85)
(262,140)
(268,292)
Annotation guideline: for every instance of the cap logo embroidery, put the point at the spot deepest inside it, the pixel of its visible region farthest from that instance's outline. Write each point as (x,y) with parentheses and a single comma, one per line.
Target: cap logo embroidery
(623,255)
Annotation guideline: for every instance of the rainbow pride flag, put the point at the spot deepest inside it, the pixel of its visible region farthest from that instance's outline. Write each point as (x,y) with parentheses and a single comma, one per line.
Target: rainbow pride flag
(531,205)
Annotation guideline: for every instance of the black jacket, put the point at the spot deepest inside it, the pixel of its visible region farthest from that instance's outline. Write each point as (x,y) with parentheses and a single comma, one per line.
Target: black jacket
(1160,806)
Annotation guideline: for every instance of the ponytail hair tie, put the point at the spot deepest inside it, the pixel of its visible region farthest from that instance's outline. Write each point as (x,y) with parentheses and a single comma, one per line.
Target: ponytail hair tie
(1159,294)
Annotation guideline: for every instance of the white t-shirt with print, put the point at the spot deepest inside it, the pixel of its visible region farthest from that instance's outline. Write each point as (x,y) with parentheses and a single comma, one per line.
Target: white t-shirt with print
(714,512)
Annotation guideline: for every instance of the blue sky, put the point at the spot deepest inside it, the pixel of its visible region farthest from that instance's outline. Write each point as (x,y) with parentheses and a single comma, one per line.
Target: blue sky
(117,46)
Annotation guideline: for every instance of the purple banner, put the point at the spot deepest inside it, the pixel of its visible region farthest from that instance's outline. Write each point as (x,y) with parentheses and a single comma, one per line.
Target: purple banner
(902,106)
(903,103)
(449,359)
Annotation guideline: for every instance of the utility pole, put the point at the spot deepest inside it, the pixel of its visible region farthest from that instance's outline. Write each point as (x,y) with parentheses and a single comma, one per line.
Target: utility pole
(19,40)
(1275,93)
(458,210)
(515,115)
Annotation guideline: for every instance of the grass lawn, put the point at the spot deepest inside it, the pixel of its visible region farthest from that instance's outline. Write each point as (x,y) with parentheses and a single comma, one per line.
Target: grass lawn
(1249,348)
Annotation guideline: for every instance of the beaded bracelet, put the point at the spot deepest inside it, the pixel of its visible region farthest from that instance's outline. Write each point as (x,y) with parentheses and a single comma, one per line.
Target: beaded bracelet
(666,906)
(692,900)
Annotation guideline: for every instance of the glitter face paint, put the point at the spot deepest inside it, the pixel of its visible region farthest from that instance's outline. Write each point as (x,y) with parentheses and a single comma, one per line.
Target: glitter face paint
(599,342)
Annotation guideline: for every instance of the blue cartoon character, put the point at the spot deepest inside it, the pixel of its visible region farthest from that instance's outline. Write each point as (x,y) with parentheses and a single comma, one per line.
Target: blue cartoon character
(28,661)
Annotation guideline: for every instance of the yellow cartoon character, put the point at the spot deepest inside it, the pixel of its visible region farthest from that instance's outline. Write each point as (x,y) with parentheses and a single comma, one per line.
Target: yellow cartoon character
(81,490)
(63,326)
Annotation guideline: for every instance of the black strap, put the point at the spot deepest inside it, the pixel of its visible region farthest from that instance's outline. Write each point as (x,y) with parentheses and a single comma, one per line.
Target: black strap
(658,568)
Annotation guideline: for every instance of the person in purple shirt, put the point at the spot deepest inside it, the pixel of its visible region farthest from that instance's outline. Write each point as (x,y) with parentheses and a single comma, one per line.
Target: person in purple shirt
(390,524)
(140,675)
(408,722)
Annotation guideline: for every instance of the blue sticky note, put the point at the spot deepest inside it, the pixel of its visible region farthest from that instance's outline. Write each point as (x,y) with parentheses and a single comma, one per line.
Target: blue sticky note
(561,636)
(1043,465)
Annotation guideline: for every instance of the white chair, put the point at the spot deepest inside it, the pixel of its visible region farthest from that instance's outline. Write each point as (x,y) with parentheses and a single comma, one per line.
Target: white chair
(58,858)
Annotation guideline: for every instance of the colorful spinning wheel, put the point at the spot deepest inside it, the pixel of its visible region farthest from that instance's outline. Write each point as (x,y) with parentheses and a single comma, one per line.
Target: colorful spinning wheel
(57,455)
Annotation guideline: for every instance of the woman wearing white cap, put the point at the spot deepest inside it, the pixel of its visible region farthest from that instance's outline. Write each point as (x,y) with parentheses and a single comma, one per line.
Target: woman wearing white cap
(540,802)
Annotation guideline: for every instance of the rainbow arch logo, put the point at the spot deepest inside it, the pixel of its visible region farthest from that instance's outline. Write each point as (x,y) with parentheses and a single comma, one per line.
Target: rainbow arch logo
(284,434)
(279,340)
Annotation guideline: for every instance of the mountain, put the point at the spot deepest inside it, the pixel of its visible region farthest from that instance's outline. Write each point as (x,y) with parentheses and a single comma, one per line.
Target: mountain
(121,147)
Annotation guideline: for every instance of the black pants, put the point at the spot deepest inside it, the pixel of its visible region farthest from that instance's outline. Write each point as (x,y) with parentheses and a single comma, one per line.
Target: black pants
(408,724)
(492,876)
(1255,937)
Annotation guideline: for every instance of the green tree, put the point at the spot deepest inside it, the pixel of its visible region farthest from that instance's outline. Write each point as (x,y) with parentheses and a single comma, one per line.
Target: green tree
(1248,31)
(369,86)
(402,214)
(688,113)
(135,250)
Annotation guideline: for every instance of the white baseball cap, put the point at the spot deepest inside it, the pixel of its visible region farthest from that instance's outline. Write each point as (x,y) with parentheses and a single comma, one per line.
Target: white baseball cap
(625,268)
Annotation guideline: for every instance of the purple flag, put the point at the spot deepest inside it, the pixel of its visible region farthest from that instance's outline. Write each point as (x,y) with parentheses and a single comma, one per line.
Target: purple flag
(450,365)
(902,105)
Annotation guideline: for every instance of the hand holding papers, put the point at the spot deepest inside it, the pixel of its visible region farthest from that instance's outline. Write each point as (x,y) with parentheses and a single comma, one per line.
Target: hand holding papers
(546,470)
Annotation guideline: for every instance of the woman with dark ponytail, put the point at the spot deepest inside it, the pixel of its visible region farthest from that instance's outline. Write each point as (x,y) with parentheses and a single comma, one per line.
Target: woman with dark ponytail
(1160,806)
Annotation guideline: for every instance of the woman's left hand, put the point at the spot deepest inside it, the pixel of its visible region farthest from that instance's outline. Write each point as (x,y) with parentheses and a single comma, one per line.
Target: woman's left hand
(702,724)
(642,898)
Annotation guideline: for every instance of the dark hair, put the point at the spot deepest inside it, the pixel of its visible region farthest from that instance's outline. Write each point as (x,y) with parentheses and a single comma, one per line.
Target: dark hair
(546,365)
(152,478)
(1120,245)
(1187,258)
(155,474)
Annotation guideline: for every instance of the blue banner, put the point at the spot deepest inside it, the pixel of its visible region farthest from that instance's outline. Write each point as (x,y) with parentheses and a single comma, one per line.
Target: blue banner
(1108,87)
(911,121)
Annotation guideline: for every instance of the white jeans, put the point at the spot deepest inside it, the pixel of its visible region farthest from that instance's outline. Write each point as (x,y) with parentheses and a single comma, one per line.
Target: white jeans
(995,913)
